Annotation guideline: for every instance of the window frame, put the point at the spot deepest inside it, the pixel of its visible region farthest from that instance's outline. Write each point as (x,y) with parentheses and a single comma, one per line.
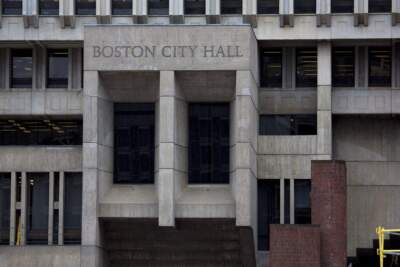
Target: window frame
(85,10)
(193,10)
(340,9)
(263,82)
(229,9)
(335,82)
(292,122)
(50,82)
(303,10)
(297,67)
(261,9)
(5,7)
(50,11)
(372,83)
(125,11)
(19,82)
(384,8)
(152,6)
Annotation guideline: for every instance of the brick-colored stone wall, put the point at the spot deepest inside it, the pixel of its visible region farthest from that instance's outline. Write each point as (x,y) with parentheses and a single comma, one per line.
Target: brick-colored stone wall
(294,246)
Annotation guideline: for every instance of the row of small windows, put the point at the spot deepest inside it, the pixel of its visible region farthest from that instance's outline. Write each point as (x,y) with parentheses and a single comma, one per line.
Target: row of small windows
(161,7)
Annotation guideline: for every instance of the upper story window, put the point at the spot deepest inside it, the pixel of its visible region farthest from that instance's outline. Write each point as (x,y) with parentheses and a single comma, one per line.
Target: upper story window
(21,68)
(380,6)
(343,67)
(268,6)
(122,7)
(288,124)
(12,7)
(195,7)
(85,7)
(380,66)
(49,7)
(271,67)
(342,6)
(158,7)
(304,6)
(306,67)
(72,208)
(231,7)
(57,68)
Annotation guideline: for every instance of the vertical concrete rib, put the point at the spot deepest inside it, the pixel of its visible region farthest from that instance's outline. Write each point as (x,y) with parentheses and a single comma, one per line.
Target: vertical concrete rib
(13,207)
(61,209)
(51,209)
(24,208)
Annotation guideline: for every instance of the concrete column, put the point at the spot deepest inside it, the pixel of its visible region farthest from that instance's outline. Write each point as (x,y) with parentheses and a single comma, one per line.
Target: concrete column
(13,207)
(286,11)
(176,11)
(24,195)
(139,8)
(324,105)
(51,209)
(67,13)
(103,11)
(61,209)
(245,125)
(323,12)
(213,11)
(395,12)
(30,13)
(361,12)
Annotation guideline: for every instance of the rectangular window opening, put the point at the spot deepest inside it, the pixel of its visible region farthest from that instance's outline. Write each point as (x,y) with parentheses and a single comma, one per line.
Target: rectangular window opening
(11,7)
(271,67)
(305,124)
(302,209)
(195,7)
(5,201)
(268,7)
(85,7)
(342,6)
(306,67)
(21,68)
(49,7)
(231,7)
(380,6)
(380,66)
(304,6)
(72,208)
(57,68)
(343,61)
(158,7)
(122,7)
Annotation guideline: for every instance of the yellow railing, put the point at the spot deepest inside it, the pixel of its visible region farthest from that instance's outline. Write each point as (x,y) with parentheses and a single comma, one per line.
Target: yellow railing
(381,232)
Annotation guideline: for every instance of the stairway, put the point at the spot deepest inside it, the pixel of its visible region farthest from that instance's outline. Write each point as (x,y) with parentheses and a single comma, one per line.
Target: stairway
(200,242)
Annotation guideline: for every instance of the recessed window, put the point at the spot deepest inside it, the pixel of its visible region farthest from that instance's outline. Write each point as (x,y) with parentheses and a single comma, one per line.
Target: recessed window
(5,196)
(158,7)
(304,6)
(85,7)
(343,67)
(12,7)
(231,7)
(122,7)
(380,66)
(57,68)
(342,6)
(49,7)
(380,6)
(268,6)
(195,7)
(271,67)
(134,143)
(288,124)
(21,68)
(18,132)
(208,143)
(306,67)
(72,207)
(302,203)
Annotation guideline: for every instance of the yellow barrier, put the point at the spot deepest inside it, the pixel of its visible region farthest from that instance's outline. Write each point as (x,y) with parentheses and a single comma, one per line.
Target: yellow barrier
(380,231)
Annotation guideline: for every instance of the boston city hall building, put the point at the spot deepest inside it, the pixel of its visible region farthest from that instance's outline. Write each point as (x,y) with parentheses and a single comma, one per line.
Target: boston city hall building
(198,132)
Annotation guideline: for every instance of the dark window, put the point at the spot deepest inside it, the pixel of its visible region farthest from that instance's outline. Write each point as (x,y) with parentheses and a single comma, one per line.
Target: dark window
(302,203)
(49,7)
(342,6)
(271,67)
(306,67)
(195,7)
(158,7)
(343,67)
(5,195)
(231,7)
(288,124)
(40,132)
(304,6)
(57,68)
(38,208)
(268,6)
(12,7)
(268,209)
(21,71)
(72,208)
(209,143)
(380,66)
(134,143)
(380,6)
(287,201)
(85,7)
(122,7)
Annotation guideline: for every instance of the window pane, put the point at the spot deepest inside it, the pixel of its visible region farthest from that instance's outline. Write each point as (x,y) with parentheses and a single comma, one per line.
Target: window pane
(122,7)
(57,68)
(302,203)
(271,68)
(38,208)
(380,66)
(193,7)
(343,67)
(49,7)
(158,7)
(268,209)
(21,72)
(380,6)
(342,6)
(209,143)
(231,7)
(12,7)
(288,124)
(134,143)
(72,207)
(268,6)
(85,7)
(5,195)
(306,67)
(304,6)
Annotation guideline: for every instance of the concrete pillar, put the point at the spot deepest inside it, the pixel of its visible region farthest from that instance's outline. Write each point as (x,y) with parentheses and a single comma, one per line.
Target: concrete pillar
(13,208)
(23,217)
(30,13)
(139,8)
(213,11)
(245,125)
(176,11)
(324,105)
(286,11)
(51,209)
(328,207)
(360,12)
(67,13)
(103,11)
(323,12)
(395,12)
(61,209)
